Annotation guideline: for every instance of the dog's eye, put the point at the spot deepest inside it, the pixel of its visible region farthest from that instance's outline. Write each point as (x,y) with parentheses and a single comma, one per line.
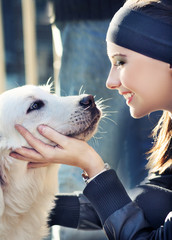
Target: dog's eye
(35,106)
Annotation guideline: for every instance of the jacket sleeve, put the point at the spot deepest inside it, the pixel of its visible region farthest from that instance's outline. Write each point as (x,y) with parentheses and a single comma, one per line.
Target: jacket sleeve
(129,223)
(74,211)
(120,217)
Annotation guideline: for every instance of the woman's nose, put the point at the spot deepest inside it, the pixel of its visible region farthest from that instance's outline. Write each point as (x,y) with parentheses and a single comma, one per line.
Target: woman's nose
(113,80)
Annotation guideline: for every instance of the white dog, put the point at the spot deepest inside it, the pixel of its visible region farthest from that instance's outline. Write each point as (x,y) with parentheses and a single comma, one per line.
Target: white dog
(26,195)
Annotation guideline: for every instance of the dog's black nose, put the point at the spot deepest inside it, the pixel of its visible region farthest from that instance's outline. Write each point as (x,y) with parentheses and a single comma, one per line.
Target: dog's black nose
(87,101)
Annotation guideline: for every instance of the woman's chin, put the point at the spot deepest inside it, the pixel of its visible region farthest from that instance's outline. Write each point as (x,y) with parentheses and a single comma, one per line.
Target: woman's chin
(137,114)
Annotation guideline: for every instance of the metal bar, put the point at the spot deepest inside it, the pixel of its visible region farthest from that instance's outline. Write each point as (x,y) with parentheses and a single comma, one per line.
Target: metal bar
(2,54)
(29,32)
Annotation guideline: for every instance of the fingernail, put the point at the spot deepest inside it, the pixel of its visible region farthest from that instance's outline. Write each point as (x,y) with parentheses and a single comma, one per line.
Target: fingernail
(17,126)
(29,166)
(41,128)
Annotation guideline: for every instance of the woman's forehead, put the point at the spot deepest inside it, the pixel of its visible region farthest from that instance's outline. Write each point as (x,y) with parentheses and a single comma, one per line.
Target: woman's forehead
(114,49)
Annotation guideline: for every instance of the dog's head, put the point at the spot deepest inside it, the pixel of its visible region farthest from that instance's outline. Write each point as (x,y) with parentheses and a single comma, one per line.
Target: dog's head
(75,116)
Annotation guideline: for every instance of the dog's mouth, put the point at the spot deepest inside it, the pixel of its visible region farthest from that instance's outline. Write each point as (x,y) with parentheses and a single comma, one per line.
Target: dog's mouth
(85,133)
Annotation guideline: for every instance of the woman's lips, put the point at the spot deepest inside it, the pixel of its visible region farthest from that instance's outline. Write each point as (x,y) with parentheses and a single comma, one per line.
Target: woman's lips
(128,96)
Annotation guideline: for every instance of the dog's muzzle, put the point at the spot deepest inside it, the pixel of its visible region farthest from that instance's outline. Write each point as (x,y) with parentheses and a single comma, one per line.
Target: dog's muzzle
(87,119)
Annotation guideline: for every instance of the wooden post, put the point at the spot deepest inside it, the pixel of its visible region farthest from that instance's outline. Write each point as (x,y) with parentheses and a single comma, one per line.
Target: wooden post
(29,32)
(57,53)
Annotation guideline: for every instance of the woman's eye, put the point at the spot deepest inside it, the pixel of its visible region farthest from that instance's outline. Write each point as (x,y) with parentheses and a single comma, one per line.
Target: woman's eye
(119,63)
(35,106)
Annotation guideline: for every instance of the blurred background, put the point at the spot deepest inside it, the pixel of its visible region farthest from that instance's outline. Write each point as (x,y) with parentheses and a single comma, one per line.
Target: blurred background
(26,43)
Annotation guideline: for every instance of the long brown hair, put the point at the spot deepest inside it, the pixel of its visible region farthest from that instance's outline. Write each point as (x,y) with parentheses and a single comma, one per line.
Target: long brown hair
(160,156)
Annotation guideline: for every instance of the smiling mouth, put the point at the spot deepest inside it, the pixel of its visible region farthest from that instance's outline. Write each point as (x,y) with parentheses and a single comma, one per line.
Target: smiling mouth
(128,97)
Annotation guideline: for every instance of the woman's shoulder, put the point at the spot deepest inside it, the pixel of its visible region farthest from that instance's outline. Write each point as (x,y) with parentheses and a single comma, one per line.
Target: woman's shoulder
(154,196)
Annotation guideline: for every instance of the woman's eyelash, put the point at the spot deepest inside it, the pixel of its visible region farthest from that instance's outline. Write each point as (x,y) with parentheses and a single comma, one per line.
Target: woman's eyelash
(118,63)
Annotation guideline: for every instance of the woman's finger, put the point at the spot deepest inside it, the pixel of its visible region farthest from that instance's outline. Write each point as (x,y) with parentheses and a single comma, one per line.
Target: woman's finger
(65,151)
(53,135)
(18,156)
(35,143)
(37,165)
(26,154)
(27,135)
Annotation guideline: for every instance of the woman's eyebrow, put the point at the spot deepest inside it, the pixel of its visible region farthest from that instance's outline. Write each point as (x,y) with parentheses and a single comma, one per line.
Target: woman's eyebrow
(115,55)
(118,55)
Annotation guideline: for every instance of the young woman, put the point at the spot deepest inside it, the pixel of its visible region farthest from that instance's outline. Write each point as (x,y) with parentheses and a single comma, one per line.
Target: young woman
(139,45)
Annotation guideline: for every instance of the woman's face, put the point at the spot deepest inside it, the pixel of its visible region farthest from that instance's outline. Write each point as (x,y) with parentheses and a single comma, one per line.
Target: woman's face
(145,83)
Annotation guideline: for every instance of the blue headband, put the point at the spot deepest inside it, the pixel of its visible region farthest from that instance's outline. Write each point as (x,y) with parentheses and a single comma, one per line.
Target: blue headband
(141,33)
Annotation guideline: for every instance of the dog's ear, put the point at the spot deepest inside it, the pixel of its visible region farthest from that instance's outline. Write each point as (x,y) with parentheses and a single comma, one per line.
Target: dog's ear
(2,206)
(2,182)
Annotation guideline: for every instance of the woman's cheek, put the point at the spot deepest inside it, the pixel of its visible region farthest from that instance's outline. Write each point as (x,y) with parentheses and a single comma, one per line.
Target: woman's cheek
(127,79)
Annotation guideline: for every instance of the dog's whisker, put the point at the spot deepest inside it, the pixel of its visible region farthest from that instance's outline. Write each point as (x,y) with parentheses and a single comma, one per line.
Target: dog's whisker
(108,113)
(101,100)
(85,109)
(81,91)
(48,82)
(95,141)
(100,127)
(17,84)
(105,117)
(101,132)
(97,138)
(111,112)
(103,107)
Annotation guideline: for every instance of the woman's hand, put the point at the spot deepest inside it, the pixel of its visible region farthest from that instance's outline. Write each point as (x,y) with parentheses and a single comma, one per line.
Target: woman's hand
(68,151)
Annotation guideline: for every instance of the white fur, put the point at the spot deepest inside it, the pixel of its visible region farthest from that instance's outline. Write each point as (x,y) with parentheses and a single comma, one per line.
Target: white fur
(26,195)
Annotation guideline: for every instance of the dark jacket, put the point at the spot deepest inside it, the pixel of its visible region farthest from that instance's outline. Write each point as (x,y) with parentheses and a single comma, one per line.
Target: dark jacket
(106,204)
